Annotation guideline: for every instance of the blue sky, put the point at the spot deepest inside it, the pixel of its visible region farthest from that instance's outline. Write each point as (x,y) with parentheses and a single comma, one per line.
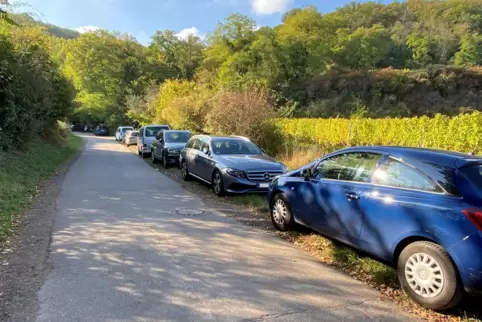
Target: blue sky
(142,18)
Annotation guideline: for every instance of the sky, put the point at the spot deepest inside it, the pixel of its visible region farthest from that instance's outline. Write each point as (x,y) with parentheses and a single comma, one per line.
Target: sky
(142,18)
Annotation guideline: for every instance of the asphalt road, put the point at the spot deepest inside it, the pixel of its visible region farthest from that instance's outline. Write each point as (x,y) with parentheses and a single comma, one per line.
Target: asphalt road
(129,244)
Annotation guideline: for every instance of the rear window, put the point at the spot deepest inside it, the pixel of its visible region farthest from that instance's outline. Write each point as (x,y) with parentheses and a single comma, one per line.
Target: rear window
(126,129)
(473,174)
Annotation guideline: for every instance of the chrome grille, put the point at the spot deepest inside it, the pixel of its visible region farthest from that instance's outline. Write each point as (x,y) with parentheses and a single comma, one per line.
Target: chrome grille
(262,176)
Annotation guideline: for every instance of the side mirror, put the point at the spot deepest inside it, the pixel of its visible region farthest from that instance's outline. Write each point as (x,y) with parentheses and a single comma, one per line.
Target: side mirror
(307,174)
(205,150)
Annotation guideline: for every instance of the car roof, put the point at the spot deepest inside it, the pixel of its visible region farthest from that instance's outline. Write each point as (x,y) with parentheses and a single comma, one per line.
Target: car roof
(153,125)
(448,158)
(177,131)
(215,137)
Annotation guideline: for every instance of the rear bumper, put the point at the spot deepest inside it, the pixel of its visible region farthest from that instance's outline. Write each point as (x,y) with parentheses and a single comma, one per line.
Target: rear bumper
(468,260)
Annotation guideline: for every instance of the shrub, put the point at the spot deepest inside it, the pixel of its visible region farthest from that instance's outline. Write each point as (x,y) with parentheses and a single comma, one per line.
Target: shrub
(247,113)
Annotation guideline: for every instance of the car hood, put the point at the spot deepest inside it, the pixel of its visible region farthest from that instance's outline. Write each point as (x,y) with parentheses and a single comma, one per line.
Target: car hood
(175,146)
(250,162)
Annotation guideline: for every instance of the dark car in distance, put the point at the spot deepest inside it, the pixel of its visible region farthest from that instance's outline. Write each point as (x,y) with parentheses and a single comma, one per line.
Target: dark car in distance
(230,164)
(168,145)
(101,130)
(417,209)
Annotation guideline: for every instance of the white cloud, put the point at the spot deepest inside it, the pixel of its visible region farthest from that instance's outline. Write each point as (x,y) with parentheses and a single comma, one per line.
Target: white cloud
(184,34)
(85,29)
(268,7)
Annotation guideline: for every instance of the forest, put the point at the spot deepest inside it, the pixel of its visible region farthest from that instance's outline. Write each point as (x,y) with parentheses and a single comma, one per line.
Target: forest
(402,59)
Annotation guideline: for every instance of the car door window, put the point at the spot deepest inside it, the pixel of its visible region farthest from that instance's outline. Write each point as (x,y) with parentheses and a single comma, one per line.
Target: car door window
(400,175)
(354,166)
(197,144)
(141,132)
(190,143)
(204,144)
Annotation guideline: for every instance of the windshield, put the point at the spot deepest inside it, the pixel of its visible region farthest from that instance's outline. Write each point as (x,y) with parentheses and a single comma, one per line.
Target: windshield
(177,136)
(153,130)
(126,129)
(234,146)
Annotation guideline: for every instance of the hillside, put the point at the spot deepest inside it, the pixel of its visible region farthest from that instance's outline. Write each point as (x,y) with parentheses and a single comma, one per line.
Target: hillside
(25,19)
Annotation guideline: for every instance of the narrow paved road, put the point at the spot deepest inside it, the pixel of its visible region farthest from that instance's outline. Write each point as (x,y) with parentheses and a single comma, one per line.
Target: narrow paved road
(121,251)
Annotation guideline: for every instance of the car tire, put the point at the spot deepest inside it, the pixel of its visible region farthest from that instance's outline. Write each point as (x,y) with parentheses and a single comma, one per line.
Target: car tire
(280,213)
(153,157)
(165,164)
(217,184)
(184,171)
(427,262)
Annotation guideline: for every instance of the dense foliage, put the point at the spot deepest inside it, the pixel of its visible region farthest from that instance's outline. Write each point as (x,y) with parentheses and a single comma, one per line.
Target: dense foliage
(370,59)
(459,133)
(33,94)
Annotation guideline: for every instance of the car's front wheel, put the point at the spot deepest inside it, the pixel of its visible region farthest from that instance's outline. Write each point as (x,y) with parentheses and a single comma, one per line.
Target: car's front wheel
(281,213)
(153,157)
(428,275)
(165,162)
(218,184)
(184,172)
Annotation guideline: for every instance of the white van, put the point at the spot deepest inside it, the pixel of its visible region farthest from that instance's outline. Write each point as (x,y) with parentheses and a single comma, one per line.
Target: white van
(147,135)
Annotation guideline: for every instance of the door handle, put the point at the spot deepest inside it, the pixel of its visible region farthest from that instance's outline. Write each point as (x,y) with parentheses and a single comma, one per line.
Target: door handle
(352,196)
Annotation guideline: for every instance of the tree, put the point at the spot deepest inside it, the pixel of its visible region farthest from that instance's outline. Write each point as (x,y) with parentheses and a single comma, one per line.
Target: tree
(470,53)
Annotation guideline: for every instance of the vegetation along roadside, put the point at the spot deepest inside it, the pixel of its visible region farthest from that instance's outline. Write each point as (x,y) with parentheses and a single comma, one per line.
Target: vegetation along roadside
(22,173)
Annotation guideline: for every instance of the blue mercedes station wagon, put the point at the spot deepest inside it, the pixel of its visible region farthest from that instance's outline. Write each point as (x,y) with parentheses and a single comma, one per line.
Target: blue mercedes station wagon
(419,210)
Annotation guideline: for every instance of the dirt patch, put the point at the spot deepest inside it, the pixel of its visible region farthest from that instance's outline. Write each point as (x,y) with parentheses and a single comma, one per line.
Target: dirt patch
(23,259)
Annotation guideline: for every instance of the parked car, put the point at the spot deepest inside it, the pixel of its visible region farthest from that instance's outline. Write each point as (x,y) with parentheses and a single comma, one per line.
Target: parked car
(229,164)
(130,137)
(121,131)
(417,209)
(147,135)
(101,130)
(168,145)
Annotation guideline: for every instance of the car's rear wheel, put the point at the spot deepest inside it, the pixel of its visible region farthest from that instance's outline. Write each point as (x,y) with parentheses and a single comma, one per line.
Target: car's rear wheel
(218,184)
(165,163)
(184,171)
(428,275)
(280,212)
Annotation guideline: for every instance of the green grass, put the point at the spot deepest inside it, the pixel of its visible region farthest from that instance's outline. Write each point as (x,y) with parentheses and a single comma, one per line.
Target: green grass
(255,202)
(21,172)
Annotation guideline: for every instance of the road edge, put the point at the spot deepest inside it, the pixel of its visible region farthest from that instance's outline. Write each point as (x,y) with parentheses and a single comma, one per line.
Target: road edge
(24,265)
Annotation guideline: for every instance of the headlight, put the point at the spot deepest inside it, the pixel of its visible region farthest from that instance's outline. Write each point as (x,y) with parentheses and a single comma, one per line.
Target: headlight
(236,173)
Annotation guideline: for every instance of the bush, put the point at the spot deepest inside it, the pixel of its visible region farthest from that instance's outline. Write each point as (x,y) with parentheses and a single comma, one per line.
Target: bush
(33,94)
(246,113)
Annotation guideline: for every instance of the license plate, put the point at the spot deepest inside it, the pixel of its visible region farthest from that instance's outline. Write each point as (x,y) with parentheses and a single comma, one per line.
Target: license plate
(263,185)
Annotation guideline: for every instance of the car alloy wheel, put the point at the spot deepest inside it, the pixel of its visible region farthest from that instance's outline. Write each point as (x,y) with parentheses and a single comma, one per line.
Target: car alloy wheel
(424,275)
(218,184)
(279,212)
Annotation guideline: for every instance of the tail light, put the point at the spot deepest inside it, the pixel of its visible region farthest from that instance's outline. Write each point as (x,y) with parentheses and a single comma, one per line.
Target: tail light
(475,217)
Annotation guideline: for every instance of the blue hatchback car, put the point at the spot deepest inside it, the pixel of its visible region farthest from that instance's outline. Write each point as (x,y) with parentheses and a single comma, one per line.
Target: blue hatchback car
(417,209)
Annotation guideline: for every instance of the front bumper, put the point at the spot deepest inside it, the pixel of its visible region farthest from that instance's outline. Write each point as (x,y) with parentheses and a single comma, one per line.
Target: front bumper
(173,157)
(240,185)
